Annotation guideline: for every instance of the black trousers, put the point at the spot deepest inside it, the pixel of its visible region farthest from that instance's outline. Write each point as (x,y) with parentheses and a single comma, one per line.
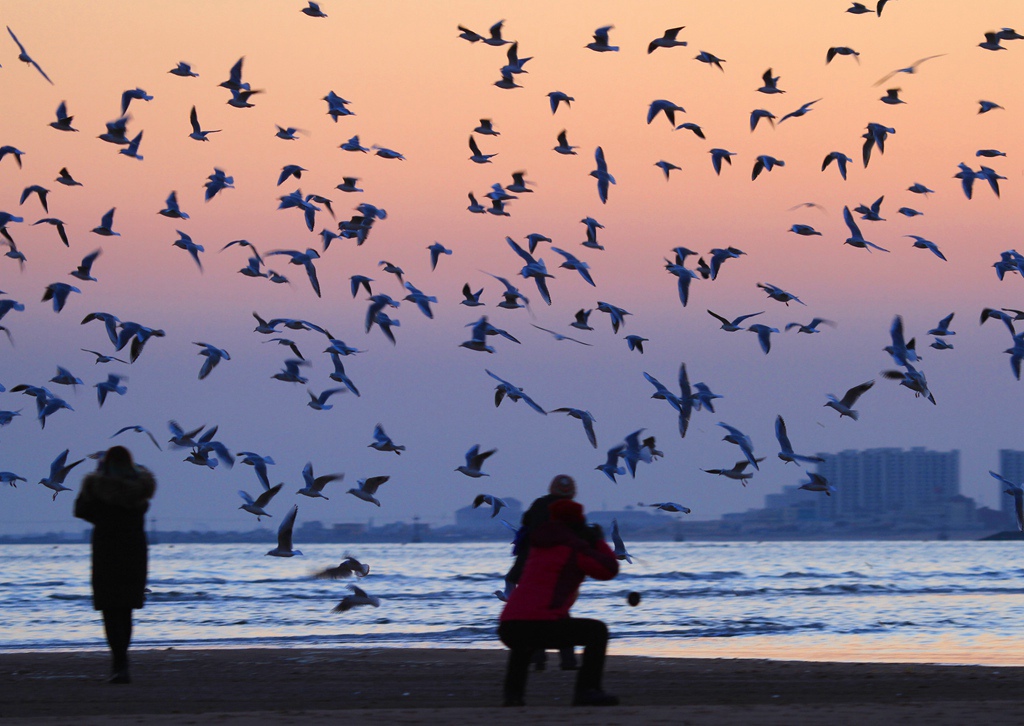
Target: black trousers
(523,637)
(117,622)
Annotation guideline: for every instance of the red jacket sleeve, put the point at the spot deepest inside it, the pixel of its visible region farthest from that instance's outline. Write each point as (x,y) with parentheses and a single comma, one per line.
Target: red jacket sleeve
(598,561)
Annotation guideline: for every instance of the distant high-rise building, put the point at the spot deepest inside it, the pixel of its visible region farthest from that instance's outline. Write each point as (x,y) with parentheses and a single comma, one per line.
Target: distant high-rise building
(1011,468)
(906,486)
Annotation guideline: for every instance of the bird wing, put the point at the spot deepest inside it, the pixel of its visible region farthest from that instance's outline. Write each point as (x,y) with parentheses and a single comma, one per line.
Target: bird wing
(264,499)
(856,392)
(526,256)
(781,435)
(284,532)
(370,485)
(851,224)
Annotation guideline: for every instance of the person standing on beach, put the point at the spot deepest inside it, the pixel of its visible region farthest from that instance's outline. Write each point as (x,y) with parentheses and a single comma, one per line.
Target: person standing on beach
(562,486)
(563,552)
(114,499)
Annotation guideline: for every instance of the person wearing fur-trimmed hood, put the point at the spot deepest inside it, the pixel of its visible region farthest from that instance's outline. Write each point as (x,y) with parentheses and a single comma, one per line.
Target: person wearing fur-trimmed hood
(114,499)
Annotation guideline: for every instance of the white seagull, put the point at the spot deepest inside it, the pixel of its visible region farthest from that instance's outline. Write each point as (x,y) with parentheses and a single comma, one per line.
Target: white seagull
(474,461)
(366,488)
(314,487)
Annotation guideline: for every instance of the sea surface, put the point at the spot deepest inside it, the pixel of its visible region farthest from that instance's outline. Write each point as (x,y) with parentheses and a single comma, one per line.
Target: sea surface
(924,602)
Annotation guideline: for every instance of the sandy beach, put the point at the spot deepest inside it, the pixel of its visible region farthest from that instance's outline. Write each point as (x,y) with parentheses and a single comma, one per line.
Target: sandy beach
(410,686)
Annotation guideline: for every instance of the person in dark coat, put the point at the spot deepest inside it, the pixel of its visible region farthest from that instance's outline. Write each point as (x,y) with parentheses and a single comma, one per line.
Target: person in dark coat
(563,552)
(114,499)
(562,486)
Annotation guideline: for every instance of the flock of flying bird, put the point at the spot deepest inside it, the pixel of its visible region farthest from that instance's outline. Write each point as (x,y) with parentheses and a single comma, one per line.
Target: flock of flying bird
(206,450)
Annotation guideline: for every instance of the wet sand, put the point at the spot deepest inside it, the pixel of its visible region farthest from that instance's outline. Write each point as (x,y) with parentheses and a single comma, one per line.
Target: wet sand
(411,686)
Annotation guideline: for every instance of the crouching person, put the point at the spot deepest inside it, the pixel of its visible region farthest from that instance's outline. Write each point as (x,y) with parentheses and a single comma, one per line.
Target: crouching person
(563,551)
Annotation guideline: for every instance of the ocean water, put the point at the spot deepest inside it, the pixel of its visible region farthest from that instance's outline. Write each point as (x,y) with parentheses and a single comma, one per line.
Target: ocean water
(932,602)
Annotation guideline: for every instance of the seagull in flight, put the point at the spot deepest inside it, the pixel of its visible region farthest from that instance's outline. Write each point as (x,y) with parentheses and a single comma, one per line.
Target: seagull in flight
(845,404)
(63,122)
(711,59)
(477,157)
(617,314)
(256,506)
(284,536)
(786,452)
(771,83)
(135,94)
(59,469)
(436,250)
(911,69)
(800,111)
(358,597)
(585,417)
(943,327)
(602,175)
(763,335)
(738,472)
(171,210)
(735,436)
(197,131)
(684,403)
(666,107)
(313,10)
(1017,492)
(496,503)
(365,489)
(26,58)
(141,430)
(720,155)
(64,176)
(669,39)
(564,147)
(304,259)
(111,385)
(764,162)
(58,292)
(105,226)
(777,293)
(184,70)
(670,507)
(185,242)
(314,486)
(856,239)
(557,97)
(474,461)
(383,442)
(600,43)
(558,336)
(581,318)
(514,393)
(348,567)
(841,50)
(811,327)
(291,374)
(218,181)
(840,159)
(925,244)
(611,465)
(817,483)
(619,547)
